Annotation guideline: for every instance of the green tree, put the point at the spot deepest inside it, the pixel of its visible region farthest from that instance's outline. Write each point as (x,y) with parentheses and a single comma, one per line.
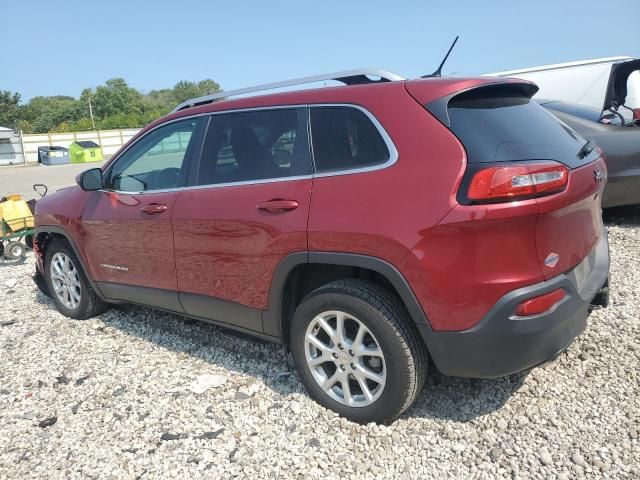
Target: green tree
(115,97)
(9,108)
(115,105)
(44,113)
(161,99)
(184,90)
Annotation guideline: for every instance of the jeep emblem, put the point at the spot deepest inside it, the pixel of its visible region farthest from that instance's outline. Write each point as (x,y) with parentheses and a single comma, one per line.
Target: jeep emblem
(598,176)
(552,260)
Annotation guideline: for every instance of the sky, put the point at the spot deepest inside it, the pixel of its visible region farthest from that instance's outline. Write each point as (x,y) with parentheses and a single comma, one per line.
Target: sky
(53,47)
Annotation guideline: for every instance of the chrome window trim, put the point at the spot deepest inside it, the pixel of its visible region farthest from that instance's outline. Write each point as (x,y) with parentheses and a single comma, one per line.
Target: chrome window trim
(215,185)
(393,152)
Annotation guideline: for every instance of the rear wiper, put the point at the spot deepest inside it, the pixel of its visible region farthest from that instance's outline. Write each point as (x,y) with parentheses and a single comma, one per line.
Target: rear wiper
(586,149)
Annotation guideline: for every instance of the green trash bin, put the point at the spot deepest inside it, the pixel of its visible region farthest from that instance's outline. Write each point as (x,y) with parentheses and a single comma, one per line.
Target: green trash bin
(84,151)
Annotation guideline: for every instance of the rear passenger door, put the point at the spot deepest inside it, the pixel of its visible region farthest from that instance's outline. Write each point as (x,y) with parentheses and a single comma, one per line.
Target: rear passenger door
(349,146)
(246,208)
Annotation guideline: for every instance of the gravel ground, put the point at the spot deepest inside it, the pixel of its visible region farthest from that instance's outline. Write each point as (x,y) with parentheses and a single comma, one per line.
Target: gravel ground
(115,397)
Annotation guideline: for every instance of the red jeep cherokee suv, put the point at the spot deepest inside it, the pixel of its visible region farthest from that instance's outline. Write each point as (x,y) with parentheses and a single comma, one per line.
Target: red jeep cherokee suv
(373,228)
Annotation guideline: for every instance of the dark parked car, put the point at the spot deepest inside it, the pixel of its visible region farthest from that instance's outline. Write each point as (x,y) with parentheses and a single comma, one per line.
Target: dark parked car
(372,228)
(616,130)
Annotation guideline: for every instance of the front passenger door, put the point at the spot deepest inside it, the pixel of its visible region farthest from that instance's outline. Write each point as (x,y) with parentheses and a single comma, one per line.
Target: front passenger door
(129,237)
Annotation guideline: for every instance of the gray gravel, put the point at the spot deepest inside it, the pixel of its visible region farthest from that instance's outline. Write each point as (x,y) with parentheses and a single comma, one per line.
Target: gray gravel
(114,397)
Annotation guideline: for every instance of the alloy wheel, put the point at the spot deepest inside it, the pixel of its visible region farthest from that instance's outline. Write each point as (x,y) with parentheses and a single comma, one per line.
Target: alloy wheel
(345,359)
(65,280)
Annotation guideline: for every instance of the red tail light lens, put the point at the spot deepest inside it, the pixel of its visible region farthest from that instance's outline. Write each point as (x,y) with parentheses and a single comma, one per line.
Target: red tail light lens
(511,182)
(540,304)
(636,114)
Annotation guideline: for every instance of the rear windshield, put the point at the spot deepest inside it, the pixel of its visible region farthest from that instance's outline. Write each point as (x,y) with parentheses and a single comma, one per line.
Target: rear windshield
(496,125)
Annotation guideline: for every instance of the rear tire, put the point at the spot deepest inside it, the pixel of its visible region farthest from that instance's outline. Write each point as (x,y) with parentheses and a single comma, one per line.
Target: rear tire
(365,377)
(69,287)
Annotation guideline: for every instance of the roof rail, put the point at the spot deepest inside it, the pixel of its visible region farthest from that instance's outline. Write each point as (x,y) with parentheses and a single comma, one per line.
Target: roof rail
(348,77)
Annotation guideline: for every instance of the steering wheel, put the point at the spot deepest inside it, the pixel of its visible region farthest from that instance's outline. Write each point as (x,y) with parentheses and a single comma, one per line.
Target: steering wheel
(166,178)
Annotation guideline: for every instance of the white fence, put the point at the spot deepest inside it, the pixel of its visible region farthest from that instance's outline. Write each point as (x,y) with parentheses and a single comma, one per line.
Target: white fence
(10,147)
(109,140)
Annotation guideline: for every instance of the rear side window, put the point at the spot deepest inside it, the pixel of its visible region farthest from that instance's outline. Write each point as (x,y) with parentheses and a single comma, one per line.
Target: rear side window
(257,145)
(496,125)
(345,138)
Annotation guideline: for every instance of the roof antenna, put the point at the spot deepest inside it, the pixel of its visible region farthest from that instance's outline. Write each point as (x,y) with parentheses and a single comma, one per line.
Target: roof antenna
(438,72)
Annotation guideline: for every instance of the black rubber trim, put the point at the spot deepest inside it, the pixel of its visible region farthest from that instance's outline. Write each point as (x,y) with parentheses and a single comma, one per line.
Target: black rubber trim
(222,311)
(199,307)
(61,231)
(272,317)
(196,158)
(382,267)
(151,297)
(502,343)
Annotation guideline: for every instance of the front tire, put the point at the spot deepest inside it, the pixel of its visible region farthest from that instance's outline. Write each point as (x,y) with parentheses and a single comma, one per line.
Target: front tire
(357,352)
(69,287)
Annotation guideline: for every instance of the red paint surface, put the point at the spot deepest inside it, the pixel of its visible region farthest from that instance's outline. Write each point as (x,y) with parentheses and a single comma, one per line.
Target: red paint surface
(119,233)
(476,254)
(227,248)
(570,223)
(458,260)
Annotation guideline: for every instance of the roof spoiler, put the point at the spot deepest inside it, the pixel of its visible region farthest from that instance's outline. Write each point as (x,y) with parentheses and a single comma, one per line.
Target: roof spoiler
(439,107)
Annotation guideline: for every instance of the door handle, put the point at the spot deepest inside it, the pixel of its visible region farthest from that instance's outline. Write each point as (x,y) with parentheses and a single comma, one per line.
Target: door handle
(153,208)
(278,205)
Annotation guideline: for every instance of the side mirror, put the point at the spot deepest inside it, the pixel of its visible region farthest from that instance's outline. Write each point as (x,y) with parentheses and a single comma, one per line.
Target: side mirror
(90,179)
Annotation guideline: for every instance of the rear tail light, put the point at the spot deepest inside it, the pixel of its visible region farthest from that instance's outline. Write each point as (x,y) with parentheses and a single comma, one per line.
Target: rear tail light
(636,114)
(516,181)
(540,304)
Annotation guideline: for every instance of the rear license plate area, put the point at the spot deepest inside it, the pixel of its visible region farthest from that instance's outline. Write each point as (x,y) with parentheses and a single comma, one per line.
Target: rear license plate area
(582,271)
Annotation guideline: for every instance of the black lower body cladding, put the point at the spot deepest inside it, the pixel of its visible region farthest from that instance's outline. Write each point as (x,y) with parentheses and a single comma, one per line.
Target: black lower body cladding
(502,344)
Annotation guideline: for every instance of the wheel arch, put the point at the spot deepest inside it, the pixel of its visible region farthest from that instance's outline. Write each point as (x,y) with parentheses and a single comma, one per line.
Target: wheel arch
(43,235)
(301,272)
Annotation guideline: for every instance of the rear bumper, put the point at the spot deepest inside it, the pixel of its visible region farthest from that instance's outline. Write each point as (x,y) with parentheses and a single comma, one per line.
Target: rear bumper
(502,344)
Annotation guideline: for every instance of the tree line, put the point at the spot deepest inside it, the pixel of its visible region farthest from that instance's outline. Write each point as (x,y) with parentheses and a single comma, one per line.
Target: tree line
(114,105)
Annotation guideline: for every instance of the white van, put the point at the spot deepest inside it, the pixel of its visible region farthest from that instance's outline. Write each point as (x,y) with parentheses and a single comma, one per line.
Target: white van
(587,82)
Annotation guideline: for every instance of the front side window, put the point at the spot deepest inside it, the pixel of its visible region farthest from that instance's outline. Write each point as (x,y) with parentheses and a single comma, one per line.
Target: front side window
(256,145)
(156,161)
(345,138)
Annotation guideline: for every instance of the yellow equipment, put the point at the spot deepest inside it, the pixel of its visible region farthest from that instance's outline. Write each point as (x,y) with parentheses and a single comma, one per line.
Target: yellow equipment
(15,213)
